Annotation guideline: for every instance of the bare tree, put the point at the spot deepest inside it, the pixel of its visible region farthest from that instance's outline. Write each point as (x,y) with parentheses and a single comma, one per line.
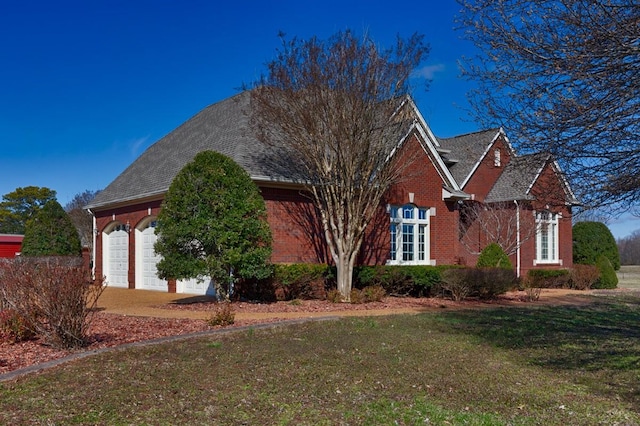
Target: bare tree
(81,218)
(501,223)
(562,77)
(629,249)
(330,111)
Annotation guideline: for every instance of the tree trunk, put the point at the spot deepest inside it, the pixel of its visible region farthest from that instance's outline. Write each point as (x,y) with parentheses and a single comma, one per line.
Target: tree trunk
(344,273)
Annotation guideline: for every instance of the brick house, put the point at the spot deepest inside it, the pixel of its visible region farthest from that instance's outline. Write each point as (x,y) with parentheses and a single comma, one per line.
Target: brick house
(420,222)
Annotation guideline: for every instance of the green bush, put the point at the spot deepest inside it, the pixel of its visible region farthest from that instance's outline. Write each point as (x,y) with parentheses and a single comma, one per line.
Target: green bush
(491,282)
(592,240)
(416,281)
(301,281)
(484,283)
(608,277)
(492,256)
(548,278)
(51,233)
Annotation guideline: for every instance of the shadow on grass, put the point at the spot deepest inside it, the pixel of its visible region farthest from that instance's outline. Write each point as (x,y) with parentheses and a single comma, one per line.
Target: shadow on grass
(598,342)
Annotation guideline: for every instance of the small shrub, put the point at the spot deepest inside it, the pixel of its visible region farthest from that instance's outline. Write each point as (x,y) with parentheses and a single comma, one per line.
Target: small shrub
(491,282)
(492,256)
(456,282)
(583,277)
(301,281)
(373,293)
(416,281)
(356,296)
(608,277)
(14,327)
(223,315)
(548,278)
(334,296)
(55,295)
(533,293)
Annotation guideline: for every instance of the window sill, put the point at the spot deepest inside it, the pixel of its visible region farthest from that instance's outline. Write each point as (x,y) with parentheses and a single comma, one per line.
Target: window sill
(557,262)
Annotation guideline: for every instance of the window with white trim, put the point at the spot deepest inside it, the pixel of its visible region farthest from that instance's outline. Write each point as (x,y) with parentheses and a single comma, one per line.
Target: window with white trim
(409,229)
(546,237)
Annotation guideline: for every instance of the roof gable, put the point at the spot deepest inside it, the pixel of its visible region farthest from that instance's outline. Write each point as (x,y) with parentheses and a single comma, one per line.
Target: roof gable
(521,175)
(466,152)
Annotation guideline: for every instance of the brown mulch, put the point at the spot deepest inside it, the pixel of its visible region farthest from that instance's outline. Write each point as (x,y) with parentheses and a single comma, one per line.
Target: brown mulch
(110,330)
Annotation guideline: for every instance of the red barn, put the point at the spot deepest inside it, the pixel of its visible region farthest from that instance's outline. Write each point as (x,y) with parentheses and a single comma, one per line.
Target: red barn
(10,245)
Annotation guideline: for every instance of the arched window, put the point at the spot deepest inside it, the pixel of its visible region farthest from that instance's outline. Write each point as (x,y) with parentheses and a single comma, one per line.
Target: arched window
(409,229)
(546,237)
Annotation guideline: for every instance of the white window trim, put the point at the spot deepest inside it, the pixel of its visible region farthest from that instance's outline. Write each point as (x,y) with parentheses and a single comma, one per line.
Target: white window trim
(398,220)
(553,222)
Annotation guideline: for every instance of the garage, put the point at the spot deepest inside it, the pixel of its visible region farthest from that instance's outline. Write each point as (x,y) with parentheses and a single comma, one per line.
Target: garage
(115,249)
(147,259)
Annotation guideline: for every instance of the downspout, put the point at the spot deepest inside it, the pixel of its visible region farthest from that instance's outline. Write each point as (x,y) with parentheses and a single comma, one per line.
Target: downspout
(517,238)
(94,236)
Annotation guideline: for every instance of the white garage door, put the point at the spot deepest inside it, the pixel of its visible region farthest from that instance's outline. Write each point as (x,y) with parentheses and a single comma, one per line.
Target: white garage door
(117,257)
(147,276)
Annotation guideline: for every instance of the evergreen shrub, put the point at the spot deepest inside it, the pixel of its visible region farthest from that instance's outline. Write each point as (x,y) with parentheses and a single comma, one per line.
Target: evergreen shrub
(608,277)
(493,256)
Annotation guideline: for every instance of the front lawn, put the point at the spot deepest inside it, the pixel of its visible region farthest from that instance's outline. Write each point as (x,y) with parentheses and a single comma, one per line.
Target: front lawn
(564,365)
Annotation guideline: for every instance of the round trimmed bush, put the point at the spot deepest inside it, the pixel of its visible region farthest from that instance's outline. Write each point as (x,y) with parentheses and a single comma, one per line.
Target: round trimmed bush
(592,240)
(608,277)
(492,256)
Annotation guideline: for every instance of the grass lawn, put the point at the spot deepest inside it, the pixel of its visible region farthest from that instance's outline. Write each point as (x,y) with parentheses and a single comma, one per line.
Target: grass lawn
(629,277)
(531,365)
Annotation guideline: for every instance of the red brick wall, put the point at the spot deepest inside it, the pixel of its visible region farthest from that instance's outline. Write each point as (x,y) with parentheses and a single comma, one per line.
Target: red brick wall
(297,232)
(422,180)
(550,195)
(487,173)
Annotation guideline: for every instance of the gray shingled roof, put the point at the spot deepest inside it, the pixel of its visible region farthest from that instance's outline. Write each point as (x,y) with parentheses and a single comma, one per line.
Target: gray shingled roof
(516,179)
(221,127)
(466,150)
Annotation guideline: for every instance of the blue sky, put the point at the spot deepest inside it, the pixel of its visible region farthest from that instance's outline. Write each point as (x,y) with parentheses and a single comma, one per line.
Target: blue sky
(87,86)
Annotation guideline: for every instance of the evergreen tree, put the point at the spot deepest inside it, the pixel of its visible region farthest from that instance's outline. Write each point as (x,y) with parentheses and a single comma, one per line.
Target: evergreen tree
(50,232)
(591,240)
(213,225)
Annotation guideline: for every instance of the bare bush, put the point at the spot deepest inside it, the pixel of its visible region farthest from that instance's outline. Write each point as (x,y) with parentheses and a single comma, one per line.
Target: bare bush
(55,295)
(584,276)
(456,282)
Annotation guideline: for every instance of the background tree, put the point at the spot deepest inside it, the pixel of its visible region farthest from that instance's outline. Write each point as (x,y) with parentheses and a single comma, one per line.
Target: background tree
(50,232)
(213,225)
(328,109)
(592,240)
(629,249)
(561,76)
(19,206)
(81,218)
